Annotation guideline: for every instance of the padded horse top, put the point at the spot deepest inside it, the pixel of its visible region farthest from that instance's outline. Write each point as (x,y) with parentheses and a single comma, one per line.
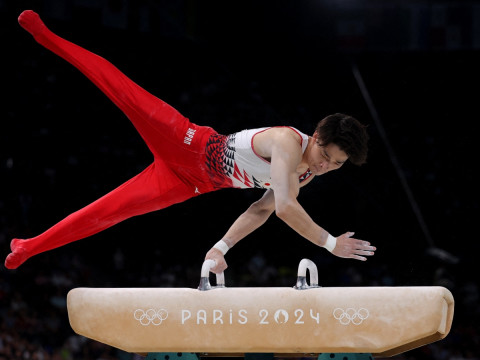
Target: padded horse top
(304,319)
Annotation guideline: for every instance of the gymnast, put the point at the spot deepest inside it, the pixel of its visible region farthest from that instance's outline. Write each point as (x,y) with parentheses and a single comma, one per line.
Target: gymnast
(189,160)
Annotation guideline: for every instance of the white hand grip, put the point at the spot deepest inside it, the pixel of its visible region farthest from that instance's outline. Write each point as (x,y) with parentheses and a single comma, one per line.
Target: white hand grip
(205,275)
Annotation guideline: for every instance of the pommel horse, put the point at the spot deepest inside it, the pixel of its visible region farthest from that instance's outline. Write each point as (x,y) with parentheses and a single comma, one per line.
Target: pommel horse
(305,320)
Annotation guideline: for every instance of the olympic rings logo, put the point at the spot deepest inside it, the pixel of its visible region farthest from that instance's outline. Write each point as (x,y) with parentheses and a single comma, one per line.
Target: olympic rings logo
(150,316)
(350,315)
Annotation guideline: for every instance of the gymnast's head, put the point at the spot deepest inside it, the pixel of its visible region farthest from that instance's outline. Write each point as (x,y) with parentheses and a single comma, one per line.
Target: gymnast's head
(338,138)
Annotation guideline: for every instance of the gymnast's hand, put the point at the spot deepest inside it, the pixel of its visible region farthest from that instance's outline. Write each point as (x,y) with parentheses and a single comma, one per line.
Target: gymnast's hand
(349,247)
(217,256)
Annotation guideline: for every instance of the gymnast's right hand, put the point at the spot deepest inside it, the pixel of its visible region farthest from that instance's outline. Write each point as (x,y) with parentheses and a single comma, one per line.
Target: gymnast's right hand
(217,256)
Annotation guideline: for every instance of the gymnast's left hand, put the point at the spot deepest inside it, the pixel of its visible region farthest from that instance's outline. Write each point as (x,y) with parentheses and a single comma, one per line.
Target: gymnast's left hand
(349,247)
(217,256)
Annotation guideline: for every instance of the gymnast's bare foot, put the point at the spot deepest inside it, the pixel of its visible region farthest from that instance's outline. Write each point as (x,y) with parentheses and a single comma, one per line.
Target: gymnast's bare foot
(18,255)
(31,22)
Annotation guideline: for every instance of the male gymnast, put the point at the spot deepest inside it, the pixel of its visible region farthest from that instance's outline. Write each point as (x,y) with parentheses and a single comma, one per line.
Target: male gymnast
(189,160)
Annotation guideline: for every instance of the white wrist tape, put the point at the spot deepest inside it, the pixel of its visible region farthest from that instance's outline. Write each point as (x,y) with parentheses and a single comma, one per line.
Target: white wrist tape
(331,243)
(221,246)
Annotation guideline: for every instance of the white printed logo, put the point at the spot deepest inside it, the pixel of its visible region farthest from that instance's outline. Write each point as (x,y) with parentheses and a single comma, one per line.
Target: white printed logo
(150,316)
(281,316)
(189,136)
(350,315)
(156,317)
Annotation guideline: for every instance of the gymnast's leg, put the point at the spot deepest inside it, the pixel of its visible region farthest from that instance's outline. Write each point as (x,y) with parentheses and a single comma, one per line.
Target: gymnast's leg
(153,189)
(162,128)
(159,124)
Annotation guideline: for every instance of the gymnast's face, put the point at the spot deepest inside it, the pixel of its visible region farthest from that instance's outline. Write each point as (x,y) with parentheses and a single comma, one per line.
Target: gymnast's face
(323,159)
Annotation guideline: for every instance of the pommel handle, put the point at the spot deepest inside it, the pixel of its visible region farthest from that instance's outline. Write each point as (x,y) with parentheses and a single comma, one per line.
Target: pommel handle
(302,275)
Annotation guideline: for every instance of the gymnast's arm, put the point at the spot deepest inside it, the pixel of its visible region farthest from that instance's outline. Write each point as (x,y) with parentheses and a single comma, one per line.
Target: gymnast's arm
(254,217)
(285,156)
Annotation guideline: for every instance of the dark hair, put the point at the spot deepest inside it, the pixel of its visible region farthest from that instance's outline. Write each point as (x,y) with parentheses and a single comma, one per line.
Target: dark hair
(347,133)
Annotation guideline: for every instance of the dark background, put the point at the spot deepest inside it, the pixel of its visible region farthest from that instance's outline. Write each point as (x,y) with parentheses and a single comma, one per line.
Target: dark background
(234,65)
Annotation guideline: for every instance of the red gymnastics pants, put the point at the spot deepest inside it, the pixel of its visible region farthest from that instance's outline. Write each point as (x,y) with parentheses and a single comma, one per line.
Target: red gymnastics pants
(177,173)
